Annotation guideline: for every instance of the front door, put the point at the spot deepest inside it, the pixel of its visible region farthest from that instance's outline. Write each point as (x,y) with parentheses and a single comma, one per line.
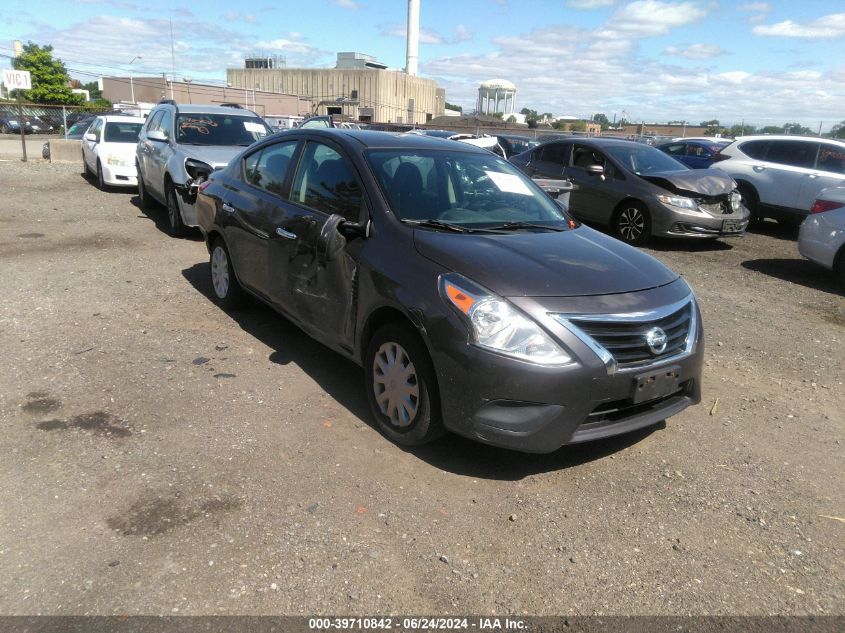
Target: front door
(316,286)
(829,172)
(594,196)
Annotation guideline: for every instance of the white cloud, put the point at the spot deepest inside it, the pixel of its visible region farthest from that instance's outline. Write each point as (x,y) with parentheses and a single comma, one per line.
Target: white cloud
(348,4)
(754,7)
(649,18)
(588,4)
(696,51)
(428,36)
(826,27)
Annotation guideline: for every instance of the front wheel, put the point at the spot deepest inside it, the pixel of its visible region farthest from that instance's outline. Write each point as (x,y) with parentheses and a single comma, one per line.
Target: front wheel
(143,194)
(227,291)
(175,226)
(401,388)
(632,224)
(101,182)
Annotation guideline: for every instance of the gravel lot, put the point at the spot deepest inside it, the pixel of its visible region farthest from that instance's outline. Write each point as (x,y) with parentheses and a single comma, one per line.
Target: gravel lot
(161,456)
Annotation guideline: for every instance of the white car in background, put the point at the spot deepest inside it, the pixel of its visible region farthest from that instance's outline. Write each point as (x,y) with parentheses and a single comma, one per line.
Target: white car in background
(822,235)
(780,176)
(108,150)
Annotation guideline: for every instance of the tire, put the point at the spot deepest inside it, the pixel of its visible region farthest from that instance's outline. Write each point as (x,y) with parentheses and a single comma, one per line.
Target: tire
(751,202)
(228,293)
(175,226)
(839,267)
(632,224)
(4,129)
(101,183)
(85,171)
(143,194)
(401,389)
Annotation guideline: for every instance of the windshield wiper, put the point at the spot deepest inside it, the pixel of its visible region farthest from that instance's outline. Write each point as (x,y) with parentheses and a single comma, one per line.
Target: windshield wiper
(437,224)
(522,225)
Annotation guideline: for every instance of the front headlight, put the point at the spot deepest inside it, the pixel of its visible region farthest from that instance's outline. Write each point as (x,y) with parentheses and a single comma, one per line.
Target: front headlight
(116,161)
(496,325)
(736,200)
(679,201)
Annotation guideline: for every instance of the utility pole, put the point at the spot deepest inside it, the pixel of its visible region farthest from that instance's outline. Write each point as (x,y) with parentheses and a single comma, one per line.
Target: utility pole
(22,125)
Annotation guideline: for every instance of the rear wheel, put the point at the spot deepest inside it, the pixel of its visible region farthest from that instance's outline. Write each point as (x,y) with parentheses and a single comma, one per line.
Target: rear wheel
(143,194)
(175,226)
(839,267)
(401,388)
(632,223)
(227,291)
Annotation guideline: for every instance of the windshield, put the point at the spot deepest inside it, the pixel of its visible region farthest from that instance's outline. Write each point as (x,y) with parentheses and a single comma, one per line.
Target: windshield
(122,132)
(219,129)
(469,190)
(642,159)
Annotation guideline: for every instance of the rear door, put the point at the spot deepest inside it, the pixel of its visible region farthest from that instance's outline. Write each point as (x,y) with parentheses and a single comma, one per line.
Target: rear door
(252,208)
(781,175)
(315,287)
(829,171)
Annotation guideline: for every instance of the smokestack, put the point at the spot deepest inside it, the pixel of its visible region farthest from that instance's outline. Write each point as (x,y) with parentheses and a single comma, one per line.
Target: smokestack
(413,37)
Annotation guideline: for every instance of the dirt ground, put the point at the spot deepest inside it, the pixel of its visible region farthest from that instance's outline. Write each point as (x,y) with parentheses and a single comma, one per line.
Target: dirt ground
(160,456)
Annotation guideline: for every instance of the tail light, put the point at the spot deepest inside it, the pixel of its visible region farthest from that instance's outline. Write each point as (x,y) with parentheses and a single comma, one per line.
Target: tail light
(820,206)
(717,157)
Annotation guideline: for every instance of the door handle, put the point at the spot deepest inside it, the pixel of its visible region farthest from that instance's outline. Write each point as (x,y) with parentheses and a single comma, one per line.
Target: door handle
(759,168)
(285,234)
(228,208)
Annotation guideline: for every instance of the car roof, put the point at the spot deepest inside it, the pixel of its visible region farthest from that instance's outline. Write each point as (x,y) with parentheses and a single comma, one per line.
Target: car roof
(125,118)
(597,142)
(383,140)
(788,137)
(196,108)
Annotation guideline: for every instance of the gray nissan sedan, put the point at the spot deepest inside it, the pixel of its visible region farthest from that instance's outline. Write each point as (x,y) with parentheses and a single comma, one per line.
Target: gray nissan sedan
(472,300)
(638,191)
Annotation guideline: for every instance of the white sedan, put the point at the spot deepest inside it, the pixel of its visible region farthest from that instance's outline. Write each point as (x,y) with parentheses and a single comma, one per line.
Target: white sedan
(822,235)
(108,150)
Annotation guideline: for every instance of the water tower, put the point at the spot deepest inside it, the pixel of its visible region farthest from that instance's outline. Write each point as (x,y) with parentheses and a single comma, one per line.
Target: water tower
(496,95)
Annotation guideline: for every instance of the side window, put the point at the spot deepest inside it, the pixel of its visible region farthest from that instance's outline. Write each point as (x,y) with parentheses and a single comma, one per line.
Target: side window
(755,149)
(698,151)
(325,182)
(555,153)
(831,158)
(584,157)
(793,153)
(95,129)
(166,124)
(155,121)
(676,150)
(250,164)
(270,167)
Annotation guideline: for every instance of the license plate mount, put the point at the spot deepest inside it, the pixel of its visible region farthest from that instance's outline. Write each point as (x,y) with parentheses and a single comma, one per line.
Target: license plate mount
(656,384)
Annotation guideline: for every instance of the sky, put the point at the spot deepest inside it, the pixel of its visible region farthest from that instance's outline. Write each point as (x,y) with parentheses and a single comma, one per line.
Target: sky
(765,63)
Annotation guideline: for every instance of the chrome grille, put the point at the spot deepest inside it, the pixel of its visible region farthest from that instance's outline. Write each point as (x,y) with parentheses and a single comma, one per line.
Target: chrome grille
(624,336)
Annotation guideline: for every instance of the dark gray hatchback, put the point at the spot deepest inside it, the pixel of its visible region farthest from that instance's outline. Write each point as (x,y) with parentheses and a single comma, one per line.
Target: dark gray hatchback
(473,301)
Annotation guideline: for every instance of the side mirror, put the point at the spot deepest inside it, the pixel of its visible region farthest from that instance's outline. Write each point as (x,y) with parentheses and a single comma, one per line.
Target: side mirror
(157,135)
(90,136)
(596,170)
(331,241)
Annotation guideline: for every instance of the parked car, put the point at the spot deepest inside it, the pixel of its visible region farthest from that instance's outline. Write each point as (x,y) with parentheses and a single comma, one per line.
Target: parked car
(108,150)
(638,190)
(473,302)
(780,176)
(11,124)
(74,133)
(696,154)
(39,125)
(821,238)
(514,144)
(180,145)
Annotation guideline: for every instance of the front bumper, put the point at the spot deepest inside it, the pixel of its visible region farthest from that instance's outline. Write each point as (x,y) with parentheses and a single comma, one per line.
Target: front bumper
(120,176)
(669,221)
(517,405)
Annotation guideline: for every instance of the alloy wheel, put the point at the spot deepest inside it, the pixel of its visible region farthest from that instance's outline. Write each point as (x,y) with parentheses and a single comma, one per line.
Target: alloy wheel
(395,384)
(631,224)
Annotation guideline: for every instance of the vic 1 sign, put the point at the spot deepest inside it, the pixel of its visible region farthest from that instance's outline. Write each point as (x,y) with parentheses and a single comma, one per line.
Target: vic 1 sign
(17,79)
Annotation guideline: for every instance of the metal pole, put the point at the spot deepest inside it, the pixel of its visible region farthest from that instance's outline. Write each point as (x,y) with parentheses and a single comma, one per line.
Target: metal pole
(64,120)
(22,126)
(131,86)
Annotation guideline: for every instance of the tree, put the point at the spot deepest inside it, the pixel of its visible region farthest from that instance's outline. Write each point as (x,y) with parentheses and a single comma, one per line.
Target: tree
(602,120)
(771,129)
(838,130)
(449,106)
(95,94)
(511,119)
(578,126)
(797,128)
(741,130)
(50,81)
(710,123)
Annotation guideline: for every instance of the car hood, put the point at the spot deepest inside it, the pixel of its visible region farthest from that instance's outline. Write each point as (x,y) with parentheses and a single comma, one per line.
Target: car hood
(215,155)
(693,182)
(571,263)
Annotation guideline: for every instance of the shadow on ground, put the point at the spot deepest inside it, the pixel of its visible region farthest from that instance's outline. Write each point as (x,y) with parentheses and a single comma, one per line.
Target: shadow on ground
(343,380)
(779,230)
(158,215)
(797,271)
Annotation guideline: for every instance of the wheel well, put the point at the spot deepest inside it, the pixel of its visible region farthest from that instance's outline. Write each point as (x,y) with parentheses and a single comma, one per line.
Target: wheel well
(839,259)
(210,237)
(379,319)
(626,202)
(744,184)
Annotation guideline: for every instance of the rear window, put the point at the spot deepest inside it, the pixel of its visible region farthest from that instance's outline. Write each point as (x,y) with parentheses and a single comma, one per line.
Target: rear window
(755,149)
(122,132)
(831,158)
(793,153)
